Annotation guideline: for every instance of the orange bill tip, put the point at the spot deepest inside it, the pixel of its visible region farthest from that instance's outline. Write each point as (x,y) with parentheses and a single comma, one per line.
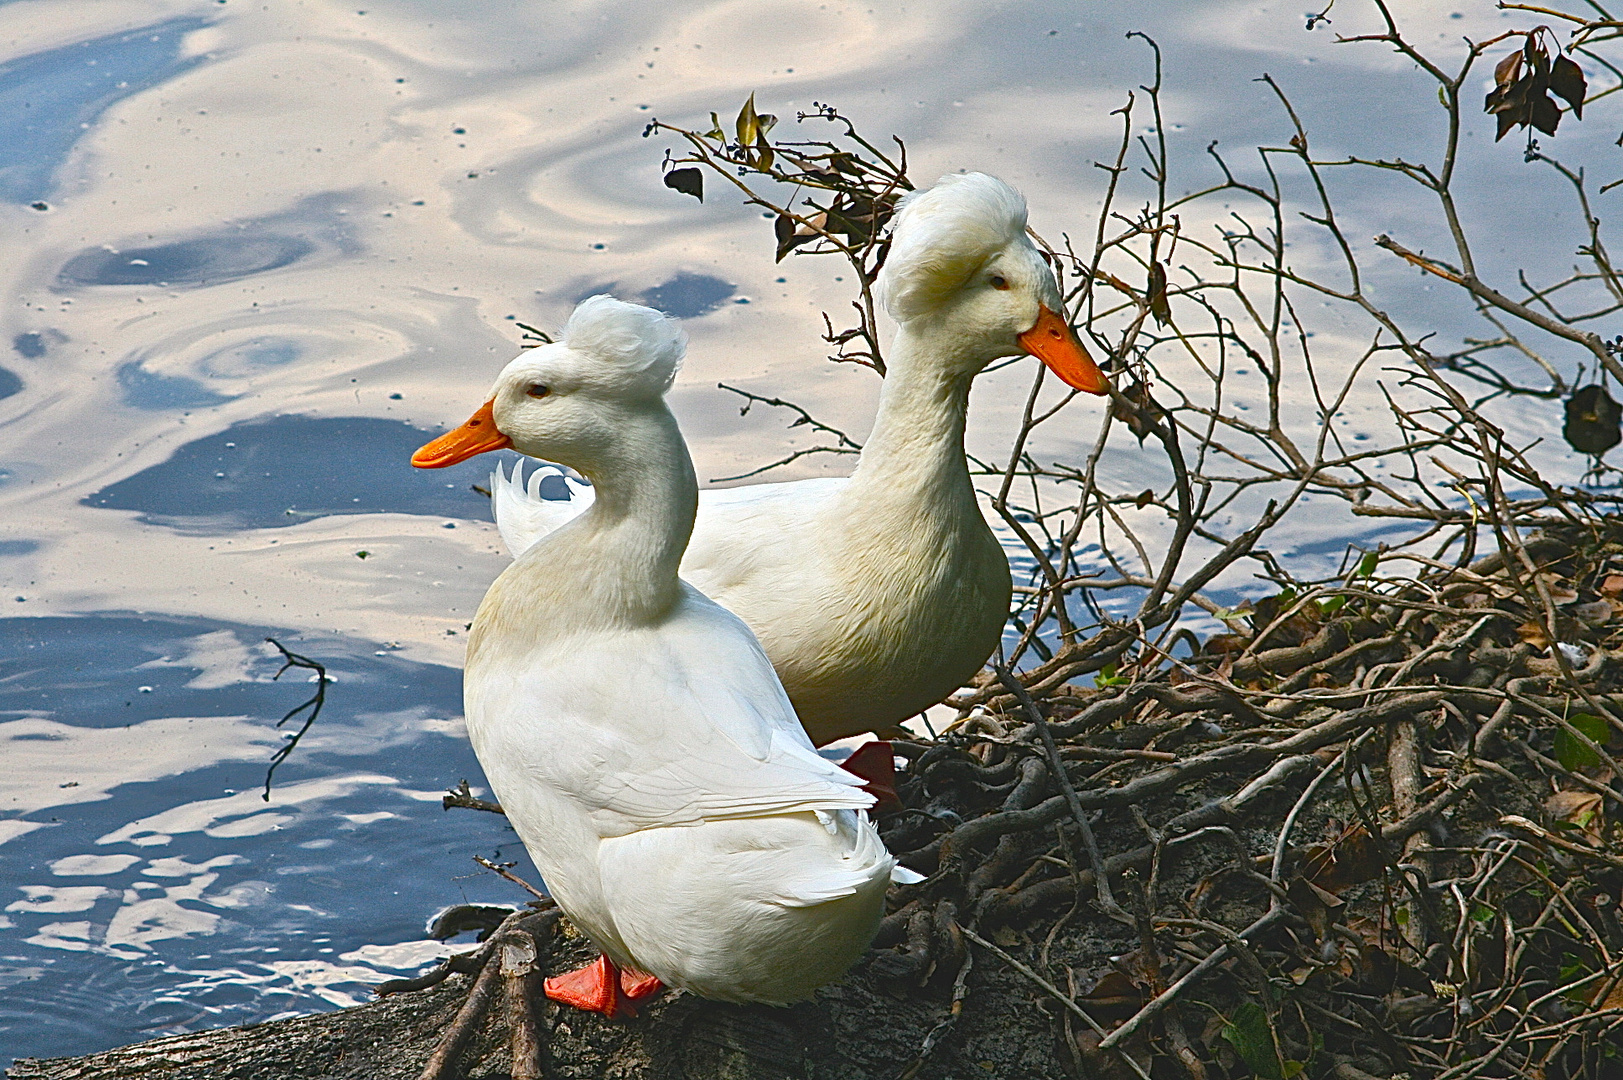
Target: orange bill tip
(1053,342)
(477,436)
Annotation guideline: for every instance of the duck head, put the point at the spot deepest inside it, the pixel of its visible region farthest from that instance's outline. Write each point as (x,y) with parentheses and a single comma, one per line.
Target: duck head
(569,401)
(962,270)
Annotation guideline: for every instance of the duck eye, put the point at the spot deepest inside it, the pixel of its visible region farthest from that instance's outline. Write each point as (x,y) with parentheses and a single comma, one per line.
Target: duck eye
(999,281)
(538,390)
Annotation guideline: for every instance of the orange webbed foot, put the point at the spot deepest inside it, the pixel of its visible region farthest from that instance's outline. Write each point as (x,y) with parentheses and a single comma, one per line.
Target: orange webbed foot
(603,987)
(875,762)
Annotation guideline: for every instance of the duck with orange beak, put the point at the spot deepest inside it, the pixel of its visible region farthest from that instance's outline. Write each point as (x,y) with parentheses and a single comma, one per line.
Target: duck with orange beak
(879,594)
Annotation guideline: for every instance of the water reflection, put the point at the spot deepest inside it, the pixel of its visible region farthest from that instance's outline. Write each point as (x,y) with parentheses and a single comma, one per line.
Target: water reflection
(49,99)
(283,243)
(283,470)
(687,296)
(185,262)
(152,885)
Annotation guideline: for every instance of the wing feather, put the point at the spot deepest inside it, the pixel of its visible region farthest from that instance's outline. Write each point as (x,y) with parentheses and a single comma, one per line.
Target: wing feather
(699,729)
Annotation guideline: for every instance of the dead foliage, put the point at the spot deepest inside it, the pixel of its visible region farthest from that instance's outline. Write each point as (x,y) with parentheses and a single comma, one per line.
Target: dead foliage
(1364,823)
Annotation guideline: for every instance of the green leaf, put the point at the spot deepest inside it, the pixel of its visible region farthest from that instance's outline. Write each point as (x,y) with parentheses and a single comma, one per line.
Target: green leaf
(1107,677)
(1482,912)
(1292,1068)
(1249,1032)
(1570,751)
(748,123)
(1366,565)
(1332,605)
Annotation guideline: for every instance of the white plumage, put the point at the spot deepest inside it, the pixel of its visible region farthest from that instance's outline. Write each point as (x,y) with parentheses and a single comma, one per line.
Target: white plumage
(879,594)
(633,729)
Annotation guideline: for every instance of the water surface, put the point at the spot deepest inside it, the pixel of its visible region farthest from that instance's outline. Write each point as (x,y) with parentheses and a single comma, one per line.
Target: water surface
(258,252)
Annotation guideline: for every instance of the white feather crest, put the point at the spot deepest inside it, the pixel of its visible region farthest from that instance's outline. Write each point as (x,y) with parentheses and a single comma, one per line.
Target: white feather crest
(942,235)
(643,343)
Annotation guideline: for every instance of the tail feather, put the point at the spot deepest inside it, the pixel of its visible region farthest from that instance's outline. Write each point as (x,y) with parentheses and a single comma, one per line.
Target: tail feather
(863,863)
(522,514)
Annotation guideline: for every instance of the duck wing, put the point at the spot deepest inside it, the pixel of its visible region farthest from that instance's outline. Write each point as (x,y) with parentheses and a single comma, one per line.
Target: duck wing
(677,724)
(755,539)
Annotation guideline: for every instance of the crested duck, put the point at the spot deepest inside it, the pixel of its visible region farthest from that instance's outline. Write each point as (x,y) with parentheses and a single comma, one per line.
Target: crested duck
(633,729)
(878,595)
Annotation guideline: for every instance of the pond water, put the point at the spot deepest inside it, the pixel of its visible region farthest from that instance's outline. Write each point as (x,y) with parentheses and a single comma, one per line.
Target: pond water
(261,251)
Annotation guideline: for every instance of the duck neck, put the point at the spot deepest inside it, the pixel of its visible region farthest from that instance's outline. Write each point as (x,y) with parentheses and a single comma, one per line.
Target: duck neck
(918,433)
(619,560)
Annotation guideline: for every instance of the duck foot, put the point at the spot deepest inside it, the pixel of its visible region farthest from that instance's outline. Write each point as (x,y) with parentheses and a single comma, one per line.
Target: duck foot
(875,762)
(604,987)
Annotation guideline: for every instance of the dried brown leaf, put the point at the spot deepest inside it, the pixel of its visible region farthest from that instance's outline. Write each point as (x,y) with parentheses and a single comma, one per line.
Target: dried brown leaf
(687,181)
(1157,294)
(1595,613)
(1334,868)
(1583,811)
(1567,82)
(1218,644)
(1534,633)
(1506,71)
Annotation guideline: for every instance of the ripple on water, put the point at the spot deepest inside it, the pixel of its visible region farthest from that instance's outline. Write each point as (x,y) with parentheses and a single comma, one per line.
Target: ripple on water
(316,223)
(145,387)
(207,260)
(283,470)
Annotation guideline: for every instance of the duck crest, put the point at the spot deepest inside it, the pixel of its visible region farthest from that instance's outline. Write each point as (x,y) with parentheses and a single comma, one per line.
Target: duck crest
(942,235)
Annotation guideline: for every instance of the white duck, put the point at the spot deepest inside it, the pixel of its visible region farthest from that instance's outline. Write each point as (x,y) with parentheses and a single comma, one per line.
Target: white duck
(634,729)
(878,595)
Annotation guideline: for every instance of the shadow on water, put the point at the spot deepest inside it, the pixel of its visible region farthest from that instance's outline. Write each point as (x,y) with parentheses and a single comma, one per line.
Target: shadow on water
(10,383)
(283,470)
(145,896)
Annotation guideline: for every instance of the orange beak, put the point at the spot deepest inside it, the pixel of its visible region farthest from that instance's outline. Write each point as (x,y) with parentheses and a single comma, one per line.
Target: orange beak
(478,435)
(1053,342)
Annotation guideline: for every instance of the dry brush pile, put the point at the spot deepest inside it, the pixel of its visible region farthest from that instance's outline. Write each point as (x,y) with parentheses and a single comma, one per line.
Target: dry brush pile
(1364,822)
